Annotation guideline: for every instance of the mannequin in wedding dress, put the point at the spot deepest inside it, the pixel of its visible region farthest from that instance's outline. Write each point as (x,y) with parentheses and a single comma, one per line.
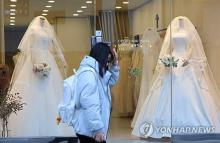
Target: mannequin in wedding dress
(150,46)
(183,96)
(41,92)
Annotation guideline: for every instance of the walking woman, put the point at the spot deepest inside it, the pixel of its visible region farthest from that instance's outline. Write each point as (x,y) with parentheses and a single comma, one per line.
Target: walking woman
(100,73)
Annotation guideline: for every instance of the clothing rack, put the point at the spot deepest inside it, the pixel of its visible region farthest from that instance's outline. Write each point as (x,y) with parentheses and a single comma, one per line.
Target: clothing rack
(164,29)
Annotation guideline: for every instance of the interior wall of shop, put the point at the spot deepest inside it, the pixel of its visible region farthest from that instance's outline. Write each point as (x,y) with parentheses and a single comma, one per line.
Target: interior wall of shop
(144,17)
(204,14)
(74,34)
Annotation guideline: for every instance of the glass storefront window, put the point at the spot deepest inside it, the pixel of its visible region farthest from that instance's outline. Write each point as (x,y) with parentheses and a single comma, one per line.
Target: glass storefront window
(167,53)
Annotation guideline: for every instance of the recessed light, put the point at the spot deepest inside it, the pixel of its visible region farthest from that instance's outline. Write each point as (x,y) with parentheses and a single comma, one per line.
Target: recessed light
(125,2)
(12,21)
(12,13)
(12,24)
(12,10)
(89,1)
(12,5)
(44,14)
(80,11)
(118,7)
(12,17)
(51,1)
(45,10)
(75,14)
(13,0)
(48,6)
(83,6)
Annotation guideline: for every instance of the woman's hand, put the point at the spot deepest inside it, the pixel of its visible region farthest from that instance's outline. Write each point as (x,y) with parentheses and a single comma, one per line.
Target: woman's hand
(115,56)
(100,137)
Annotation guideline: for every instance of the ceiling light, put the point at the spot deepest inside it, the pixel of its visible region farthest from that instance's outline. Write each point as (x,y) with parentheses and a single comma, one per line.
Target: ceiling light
(79,11)
(12,10)
(12,13)
(12,17)
(12,24)
(125,2)
(12,5)
(48,6)
(75,14)
(13,0)
(83,6)
(118,7)
(44,14)
(51,1)
(12,21)
(89,1)
(45,10)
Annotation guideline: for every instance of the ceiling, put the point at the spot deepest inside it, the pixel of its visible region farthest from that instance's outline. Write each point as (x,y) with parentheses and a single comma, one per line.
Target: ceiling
(27,9)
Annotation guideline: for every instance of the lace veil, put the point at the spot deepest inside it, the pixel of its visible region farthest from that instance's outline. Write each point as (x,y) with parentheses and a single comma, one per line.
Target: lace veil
(25,44)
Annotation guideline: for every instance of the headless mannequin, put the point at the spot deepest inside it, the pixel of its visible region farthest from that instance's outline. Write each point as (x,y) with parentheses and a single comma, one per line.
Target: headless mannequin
(40,44)
(42,22)
(180,43)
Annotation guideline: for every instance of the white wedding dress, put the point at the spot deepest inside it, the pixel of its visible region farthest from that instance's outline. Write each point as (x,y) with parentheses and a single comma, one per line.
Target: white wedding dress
(183,96)
(150,47)
(41,94)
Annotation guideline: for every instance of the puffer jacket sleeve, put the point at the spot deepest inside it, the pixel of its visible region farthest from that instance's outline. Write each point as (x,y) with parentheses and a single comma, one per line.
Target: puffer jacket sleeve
(114,70)
(90,101)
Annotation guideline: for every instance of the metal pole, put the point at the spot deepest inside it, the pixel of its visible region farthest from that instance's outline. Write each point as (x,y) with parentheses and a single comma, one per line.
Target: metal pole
(171,68)
(2,39)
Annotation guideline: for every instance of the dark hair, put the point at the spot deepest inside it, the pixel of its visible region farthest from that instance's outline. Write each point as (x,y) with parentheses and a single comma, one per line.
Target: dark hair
(100,52)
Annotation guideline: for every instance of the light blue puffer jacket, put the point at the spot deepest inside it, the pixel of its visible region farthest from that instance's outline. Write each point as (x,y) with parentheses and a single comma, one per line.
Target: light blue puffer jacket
(94,98)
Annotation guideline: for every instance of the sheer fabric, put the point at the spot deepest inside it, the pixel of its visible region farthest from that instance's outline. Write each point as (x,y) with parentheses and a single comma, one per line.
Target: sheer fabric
(41,94)
(184,96)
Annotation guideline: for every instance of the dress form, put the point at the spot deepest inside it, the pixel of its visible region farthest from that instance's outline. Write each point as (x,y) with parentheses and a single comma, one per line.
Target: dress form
(41,43)
(42,20)
(179,39)
(180,44)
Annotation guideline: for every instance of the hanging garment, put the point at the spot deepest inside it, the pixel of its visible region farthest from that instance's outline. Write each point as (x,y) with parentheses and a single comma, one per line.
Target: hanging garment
(123,105)
(150,46)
